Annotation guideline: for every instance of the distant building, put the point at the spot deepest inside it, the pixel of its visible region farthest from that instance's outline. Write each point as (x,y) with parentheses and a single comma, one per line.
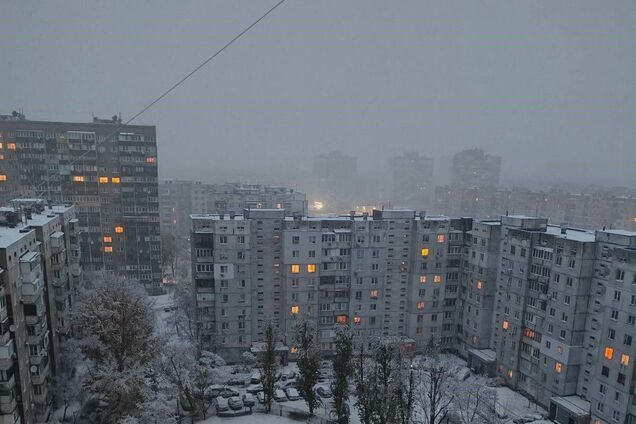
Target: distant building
(412,181)
(335,177)
(39,268)
(178,199)
(109,170)
(475,168)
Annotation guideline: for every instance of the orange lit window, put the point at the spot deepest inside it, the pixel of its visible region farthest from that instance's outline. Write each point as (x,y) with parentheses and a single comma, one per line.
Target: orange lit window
(1,157)
(108,239)
(437,279)
(441,238)
(608,353)
(425,252)
(295,269)
(151,159)
(420,305)
(557,367)
(624,359)
(293,349)
(311,268)
(342,319)
(115,180)
(119,229)
(295,310)
(103,180)
(357,320)
(11,146)
(529,333)
(479,285)
(108,249)
(1,146)
(509,373)
(505,325)
(78,178)
(374,294)
(279,206)
(3,177)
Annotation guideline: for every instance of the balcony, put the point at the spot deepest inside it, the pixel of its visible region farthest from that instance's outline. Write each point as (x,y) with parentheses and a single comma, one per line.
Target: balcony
(31,290)
(7,352)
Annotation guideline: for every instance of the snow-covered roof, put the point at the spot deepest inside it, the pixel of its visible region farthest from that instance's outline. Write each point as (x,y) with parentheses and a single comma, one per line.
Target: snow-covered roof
(574,404)
(571,233)
(486,355)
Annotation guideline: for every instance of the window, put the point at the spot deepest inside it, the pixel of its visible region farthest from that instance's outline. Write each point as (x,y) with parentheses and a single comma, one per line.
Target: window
(624,359)
(505,325)
(422,279)
(295,310)
(374,294)
(103,180)
(425,252)
(441,238)
(295,239)
(108,239)
(342,319)
(608,353)
(357,320)
(119,229)
(311,268)
(420,305)
(78,178)
(108,249)
(479,285)
(295,269)
(437,279)
(557,367)
(115,180)
(293,349)
(11,146)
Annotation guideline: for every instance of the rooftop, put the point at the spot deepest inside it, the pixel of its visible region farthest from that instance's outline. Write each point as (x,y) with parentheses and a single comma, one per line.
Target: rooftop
(571,234)
(574,404)
(10,236)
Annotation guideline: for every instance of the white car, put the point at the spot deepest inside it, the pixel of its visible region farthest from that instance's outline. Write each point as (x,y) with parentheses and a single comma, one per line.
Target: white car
(292,393)
(221,404)
(280,396)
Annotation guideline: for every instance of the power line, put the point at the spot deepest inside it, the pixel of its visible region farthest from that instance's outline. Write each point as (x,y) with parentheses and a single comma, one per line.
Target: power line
(178,83)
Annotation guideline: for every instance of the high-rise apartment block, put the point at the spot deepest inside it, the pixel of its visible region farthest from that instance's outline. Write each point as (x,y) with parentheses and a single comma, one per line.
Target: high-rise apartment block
(178,199)
(107,169)
(475,168)
(39,269)
(412,181)
(549,309)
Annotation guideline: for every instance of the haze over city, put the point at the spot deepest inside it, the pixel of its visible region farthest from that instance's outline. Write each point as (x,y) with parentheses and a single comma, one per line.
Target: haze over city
(543,84)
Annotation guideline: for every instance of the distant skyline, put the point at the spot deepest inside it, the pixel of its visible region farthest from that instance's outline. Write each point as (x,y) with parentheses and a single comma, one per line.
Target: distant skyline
(540,83)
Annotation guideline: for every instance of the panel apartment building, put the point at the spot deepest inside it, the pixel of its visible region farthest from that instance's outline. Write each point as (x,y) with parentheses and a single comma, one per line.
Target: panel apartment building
(39,268)
(549,309)
(108,170)
(178,199)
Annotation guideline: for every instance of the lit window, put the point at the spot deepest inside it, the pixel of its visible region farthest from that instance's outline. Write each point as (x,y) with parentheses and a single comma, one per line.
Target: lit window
(479,285)
(119,229)
(624,359)
(1,157)
(108,249)
(425,252)
(437,279)
(609,353)
(474,339)
(294,349)
(3,177)
(441,238)
(311,268)
(2,146)
(557,367)
(509,373)
(342,319)
(108,239)
(505,325)
(279,206)
(295,310)
(422,279)
(151,159)
(374,294)
(420,305)
(357,320)
(295,269)
(103,180)
(78,178)
(11,146)
(115,180)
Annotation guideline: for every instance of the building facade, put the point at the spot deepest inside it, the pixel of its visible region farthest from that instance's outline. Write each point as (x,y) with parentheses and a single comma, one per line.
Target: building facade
(475,168)
(107,169)
(412,181)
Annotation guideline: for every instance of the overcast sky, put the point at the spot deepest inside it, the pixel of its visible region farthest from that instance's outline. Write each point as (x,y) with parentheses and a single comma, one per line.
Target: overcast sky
(535,81)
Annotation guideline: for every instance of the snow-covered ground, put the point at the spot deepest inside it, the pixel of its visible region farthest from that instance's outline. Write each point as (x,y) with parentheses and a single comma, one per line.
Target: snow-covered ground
(249,419)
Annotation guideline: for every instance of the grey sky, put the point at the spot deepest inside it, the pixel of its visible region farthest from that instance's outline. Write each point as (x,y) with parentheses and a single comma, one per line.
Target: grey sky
(551,81)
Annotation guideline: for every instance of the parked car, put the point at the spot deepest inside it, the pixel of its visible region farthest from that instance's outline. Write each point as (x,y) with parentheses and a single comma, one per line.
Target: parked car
(528,419)
(278,376)
(463,374)
(221,404)
(285,384)
(237,381)
(255,378)
(291,374)
(324,391)
(292,394)
(261,397)
(228,392)
(214,391)
(279,395)
(248,400)
(254,388)
(236,403)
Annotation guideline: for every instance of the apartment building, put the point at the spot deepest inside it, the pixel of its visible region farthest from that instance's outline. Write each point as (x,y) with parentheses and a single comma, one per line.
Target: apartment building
(38,269)
(475,168)
(178,199)
(412,181)
(107,169)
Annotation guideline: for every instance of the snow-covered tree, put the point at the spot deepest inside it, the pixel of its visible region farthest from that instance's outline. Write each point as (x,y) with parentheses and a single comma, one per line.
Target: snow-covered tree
(474,402)
(308,362)
(404,386)
(268,365)
(385,375)
(67,382)
(185,319)
(249,360)
(364,392)
(342,370)
(435,391)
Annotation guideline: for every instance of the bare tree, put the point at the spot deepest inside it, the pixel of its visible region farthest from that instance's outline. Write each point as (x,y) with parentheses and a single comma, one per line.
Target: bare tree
(169,252)
(385,373)
(308,361)
(405,387)
(342,370)
(269,365)
(363,383)
(435,391)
